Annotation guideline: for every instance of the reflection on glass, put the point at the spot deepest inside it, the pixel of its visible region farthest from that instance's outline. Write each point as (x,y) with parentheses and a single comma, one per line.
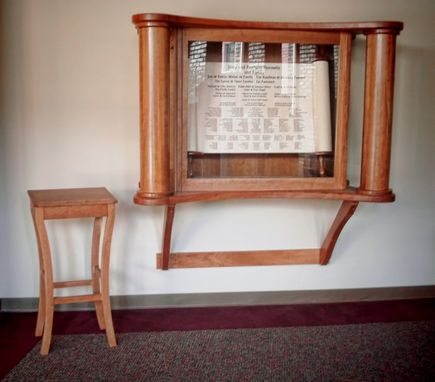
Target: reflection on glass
(261,110)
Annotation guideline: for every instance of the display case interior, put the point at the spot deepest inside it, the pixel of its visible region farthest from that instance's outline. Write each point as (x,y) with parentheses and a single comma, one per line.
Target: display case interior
(261,109)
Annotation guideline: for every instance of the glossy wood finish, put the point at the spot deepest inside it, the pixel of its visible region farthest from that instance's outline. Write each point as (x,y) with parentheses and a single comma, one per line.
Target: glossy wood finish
(342,109)
(73,203)
(154,122)
(350,194)
(163,45)
(169,176)
(378,112)
(358,27)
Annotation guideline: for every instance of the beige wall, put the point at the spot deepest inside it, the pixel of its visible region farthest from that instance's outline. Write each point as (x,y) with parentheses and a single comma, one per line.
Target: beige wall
(69,117)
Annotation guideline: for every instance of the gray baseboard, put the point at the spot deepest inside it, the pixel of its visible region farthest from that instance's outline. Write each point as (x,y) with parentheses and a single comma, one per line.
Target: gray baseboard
(237,298)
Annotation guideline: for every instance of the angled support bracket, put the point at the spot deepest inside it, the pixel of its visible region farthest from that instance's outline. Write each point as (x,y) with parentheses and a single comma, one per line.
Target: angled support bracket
(166,259)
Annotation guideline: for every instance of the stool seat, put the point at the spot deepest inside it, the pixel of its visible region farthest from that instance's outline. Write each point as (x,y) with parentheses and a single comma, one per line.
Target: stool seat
(71,197)
(97,203)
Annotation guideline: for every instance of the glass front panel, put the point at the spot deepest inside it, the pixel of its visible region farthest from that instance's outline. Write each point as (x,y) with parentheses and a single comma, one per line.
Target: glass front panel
(261,109)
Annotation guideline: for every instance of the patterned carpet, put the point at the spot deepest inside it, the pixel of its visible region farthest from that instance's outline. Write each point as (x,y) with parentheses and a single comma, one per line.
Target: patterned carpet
(401,351)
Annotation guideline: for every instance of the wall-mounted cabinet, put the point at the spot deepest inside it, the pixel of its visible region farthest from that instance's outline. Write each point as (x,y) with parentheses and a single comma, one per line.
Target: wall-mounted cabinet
(237,109)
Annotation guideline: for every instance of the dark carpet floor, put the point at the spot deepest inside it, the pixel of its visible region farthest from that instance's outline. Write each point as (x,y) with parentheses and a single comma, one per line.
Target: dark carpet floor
(403,351)
(347,344)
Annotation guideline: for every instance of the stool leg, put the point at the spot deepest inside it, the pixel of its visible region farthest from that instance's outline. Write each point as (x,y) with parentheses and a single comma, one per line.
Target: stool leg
(105,260)
(96,270)
(41,305)
(47,276)
(41,308)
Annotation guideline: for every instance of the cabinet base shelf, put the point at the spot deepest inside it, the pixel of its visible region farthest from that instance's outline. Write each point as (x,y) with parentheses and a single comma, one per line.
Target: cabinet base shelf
(241,258)
(351,194)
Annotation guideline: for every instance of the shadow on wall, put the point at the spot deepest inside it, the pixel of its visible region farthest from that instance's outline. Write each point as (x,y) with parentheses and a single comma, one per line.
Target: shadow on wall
(12,95)
(414,122)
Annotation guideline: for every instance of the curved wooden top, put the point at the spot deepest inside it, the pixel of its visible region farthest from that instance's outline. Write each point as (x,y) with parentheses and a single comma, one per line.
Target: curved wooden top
(358,27)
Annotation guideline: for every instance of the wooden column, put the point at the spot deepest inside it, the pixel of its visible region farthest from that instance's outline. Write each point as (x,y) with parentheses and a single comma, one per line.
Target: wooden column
(378,109)
(154,111)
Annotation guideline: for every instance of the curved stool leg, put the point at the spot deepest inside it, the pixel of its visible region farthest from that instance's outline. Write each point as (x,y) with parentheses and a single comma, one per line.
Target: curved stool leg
(41,308)
(96,270)
(41,305)
(105,260)
(46,299)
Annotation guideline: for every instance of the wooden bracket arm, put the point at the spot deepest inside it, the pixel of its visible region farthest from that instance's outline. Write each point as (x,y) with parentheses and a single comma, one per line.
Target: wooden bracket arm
(169,219)
(346,210)
(166,259)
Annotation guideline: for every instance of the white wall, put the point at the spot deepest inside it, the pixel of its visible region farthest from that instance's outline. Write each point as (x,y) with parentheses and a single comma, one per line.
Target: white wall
(69,98)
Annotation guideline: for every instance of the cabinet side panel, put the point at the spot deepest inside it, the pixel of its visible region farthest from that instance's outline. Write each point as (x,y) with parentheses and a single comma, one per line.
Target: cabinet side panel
(342,120)
(378,108)
(154,114)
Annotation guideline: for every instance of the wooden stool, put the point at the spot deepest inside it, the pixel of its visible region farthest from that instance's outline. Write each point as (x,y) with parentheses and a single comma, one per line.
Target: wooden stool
(66,204)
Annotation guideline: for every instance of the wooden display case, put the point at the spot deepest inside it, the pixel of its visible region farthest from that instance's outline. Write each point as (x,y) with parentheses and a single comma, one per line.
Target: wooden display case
(238,109)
